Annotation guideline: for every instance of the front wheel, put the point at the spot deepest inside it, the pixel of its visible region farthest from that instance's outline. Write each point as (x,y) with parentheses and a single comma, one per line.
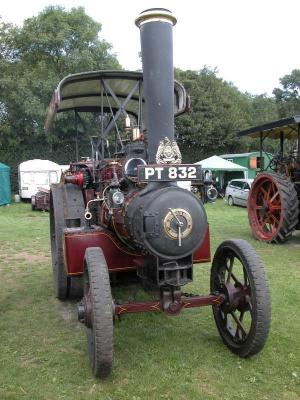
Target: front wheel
(99,319)
(243,319)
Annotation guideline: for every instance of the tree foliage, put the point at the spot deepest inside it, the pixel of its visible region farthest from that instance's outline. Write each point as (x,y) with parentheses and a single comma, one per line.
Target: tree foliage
(37,55)
(33,59)
(288,98)
(218,112)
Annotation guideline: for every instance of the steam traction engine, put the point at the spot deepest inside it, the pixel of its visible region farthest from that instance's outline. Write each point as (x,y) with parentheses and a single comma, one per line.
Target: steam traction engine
(122,211)
(274,199)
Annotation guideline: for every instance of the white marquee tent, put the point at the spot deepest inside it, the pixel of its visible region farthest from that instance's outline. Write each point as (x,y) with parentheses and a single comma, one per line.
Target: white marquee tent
(216,163)
(221,166)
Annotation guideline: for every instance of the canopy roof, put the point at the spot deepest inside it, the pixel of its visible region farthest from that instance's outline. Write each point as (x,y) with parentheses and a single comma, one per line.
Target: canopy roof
(39,165)
(288,126)
(102,90)
(216,163)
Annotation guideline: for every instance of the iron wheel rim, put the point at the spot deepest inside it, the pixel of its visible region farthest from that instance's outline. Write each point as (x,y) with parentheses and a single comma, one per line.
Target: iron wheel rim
(265,208)
(230,317)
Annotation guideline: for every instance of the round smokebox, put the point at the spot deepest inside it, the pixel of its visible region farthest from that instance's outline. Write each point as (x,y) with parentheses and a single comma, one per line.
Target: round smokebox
(170,221)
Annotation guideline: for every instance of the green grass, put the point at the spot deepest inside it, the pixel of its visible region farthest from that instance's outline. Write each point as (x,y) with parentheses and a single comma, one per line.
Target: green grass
(43,347)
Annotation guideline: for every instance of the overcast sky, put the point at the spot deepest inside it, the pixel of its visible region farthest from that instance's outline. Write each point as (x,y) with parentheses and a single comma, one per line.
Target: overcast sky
(252,43)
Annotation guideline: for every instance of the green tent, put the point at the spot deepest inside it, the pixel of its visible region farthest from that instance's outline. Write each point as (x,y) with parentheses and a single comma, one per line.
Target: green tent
(5,193)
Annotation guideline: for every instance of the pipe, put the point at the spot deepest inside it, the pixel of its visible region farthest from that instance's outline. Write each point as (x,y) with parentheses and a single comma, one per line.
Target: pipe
(156,34)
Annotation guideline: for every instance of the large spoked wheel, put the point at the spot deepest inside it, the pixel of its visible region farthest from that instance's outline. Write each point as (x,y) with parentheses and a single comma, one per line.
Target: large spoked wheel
(243,320)
(98,312)
(62,200)
(273,207)
(56,235)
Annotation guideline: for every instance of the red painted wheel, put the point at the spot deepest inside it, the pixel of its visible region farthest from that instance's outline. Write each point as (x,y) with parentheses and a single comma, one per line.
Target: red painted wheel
(66,204)
(273,207)
(56,235)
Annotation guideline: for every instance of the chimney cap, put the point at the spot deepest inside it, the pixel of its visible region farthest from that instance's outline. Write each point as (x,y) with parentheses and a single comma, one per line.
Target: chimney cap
(155,15)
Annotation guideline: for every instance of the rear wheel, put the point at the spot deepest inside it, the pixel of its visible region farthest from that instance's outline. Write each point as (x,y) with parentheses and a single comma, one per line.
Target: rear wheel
(98,300)
(230,200)
(56,234)
(62,198)
(273,207)
(243,319)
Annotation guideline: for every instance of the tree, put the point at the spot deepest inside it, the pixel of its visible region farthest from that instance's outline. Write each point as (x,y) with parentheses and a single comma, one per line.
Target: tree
(218,111)
(33,59)
(288,98)
(263,110)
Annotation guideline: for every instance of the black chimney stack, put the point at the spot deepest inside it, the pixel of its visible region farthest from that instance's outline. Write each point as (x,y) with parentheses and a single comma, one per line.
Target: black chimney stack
(156,26)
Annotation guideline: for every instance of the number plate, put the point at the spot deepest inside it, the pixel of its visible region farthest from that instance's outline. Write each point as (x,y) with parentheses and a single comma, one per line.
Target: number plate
(167,172)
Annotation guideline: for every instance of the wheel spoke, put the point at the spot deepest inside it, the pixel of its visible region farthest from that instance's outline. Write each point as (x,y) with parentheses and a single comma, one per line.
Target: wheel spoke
(275,219)
(265,194)
(232,276)
(276,207)
(230,270)
(269,191)
(262,218)
(269,227)
(274,196)
(238,329)
(239,323)
(274,189)
(265,220)
(258,207)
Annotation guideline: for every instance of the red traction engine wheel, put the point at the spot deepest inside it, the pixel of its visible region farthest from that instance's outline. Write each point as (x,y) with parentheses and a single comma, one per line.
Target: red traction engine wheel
(272,207)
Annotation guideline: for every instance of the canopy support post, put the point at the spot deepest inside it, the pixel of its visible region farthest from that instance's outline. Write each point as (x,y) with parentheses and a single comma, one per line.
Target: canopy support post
(281,143)
(298,155)
(76,138)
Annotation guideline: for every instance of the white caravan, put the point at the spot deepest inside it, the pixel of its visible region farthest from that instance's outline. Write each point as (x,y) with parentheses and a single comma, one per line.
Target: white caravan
(36,174)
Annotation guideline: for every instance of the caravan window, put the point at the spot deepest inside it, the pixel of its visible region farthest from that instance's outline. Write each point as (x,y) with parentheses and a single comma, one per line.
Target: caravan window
(53,177)
(41,178)
(26,178)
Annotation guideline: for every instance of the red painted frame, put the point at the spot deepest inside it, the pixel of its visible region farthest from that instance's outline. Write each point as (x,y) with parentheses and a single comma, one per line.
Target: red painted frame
(117,256)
